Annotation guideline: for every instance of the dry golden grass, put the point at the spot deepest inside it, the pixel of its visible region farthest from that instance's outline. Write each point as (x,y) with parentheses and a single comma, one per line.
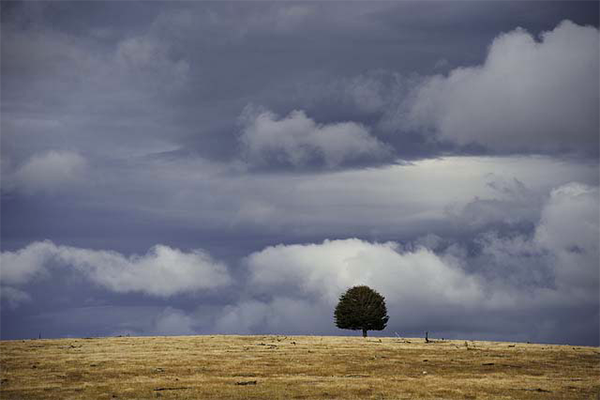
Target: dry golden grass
(298,367)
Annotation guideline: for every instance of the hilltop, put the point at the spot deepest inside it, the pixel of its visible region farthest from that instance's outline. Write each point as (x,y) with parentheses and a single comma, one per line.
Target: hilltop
(294,367)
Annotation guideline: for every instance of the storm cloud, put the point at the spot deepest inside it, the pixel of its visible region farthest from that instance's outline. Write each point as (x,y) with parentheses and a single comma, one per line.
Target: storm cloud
(211,167)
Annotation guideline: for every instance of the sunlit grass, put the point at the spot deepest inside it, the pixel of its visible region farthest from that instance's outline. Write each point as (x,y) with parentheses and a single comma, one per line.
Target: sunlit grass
(298,367)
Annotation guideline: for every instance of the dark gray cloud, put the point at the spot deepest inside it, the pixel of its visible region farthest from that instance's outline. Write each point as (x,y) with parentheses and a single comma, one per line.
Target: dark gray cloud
(174,76)
(176,168)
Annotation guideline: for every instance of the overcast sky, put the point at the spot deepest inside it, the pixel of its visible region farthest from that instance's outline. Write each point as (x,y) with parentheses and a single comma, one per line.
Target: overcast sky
(179,168)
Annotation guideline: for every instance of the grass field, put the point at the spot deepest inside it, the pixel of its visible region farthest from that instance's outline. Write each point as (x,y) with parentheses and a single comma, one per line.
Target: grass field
(294,367)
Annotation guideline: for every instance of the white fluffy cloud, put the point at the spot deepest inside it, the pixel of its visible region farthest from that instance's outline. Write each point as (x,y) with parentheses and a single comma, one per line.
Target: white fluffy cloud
(521,283)
(279,315)
(21,266)
(325,270)
(570,230)
(297,140)
(511,203)
(293,287)
(14,297)
(49,172)
(173,322)
(163,271)
(556,268)
(560,264)
(528,95)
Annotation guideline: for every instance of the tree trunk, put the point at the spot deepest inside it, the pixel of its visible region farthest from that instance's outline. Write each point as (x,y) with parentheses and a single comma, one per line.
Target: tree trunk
(364,332)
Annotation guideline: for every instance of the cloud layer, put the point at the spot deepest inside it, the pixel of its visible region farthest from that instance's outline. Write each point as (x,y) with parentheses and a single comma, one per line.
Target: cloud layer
(526,285)
(48,172)
(162,272)
(325,270)
(448,289)
(529,95)
(390,135)
(299,141)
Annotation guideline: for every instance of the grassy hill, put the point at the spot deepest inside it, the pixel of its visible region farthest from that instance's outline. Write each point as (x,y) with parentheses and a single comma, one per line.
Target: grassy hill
(294,367)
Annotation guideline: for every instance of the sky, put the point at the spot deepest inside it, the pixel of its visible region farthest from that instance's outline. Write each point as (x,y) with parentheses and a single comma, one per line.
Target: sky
(178,168)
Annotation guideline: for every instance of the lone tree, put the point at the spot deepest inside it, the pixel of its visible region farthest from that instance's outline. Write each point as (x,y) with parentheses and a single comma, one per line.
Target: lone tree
(361,308)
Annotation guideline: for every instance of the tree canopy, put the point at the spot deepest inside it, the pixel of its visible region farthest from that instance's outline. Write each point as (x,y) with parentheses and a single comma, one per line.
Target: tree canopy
(361,308)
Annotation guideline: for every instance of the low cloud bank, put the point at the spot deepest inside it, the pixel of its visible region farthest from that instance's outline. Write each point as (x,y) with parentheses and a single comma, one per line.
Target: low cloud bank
(162,272)
(517,284)
(542,285)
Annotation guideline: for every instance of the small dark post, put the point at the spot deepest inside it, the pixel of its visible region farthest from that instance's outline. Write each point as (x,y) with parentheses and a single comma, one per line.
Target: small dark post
(364,332)
(426,337)
(40,335)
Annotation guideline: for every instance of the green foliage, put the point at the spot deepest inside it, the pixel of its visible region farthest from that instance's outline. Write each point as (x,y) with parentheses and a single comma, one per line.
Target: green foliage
(361,308)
